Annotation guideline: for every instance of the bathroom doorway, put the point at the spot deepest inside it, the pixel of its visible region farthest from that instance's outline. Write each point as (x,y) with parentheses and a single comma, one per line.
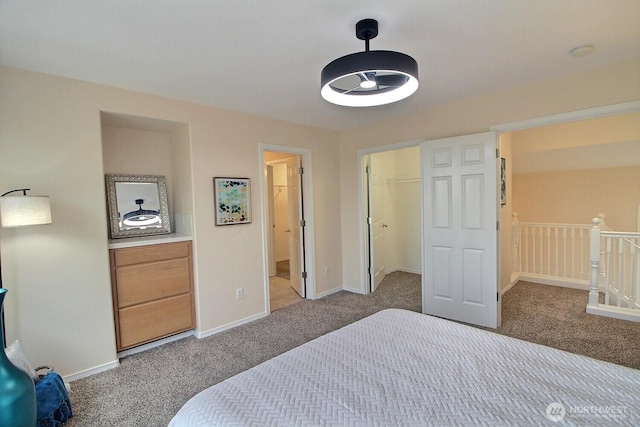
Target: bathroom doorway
(285,220)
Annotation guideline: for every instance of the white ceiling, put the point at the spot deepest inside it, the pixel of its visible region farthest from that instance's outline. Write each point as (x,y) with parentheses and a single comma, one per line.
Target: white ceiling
(265,57)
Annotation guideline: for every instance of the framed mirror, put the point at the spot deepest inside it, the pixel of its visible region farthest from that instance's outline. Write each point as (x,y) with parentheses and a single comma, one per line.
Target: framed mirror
(137,205)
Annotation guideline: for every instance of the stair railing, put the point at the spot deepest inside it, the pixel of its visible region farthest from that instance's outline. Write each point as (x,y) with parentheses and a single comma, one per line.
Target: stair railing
(549,253)
(615,273)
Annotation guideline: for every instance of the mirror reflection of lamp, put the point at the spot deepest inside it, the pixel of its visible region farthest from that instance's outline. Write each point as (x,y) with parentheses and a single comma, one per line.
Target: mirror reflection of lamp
(141,218)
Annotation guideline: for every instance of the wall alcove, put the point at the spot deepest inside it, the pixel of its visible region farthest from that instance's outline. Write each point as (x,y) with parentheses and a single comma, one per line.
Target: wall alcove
(151,276)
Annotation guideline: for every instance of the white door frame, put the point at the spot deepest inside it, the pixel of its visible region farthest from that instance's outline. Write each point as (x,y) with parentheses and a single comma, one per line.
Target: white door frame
(363,227)
(307,203)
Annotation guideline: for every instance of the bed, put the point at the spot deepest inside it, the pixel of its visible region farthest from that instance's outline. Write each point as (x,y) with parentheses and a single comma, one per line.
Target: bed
(398,367)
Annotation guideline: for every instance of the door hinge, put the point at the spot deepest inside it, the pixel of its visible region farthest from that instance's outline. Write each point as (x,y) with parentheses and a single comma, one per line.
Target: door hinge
(366,169)
(303,223)
(498,225)
(498,296)
(304,274)
(497,153)
(369,220)
(300,171)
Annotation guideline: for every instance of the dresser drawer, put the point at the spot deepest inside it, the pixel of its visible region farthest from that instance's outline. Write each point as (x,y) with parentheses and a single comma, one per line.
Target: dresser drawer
(144,254)
(136,284)
(146,322)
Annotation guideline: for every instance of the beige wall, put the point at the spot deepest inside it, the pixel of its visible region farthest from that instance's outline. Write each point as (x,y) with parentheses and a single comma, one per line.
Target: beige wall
(606,86)
(577,196)
(59,303)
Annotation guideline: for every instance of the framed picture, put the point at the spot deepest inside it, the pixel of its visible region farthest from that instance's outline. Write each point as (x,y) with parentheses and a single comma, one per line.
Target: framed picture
(503,181)
(232,198)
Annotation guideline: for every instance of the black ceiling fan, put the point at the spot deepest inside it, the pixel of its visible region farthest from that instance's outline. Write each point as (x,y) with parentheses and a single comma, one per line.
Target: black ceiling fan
(372,77)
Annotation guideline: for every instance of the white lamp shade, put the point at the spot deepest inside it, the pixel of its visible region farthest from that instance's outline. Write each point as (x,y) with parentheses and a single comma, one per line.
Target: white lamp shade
(17,211)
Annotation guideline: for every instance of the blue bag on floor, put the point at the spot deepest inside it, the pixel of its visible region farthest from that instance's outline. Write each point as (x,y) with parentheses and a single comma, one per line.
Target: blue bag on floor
(54,406)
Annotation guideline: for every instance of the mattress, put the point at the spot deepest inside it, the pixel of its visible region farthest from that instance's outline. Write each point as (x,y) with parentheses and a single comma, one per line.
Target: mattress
(398,367)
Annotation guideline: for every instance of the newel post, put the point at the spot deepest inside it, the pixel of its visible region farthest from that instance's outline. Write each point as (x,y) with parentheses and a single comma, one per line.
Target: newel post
(594,256)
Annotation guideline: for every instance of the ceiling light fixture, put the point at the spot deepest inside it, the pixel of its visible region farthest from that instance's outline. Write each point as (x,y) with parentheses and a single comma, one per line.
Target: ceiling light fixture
(369,78)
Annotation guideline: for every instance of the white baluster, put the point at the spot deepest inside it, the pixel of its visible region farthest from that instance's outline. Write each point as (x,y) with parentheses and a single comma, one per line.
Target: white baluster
(540,235)
(555,240)
(603,266)
(549,251)
(620,256)
(533,248)
(573,253)
(526,248)
(564,245)
(582,273)
(633,273)
(594,295)
(609,276)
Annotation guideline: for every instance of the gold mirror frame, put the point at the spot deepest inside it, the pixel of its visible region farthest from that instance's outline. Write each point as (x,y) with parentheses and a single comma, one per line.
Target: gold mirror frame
(125,193)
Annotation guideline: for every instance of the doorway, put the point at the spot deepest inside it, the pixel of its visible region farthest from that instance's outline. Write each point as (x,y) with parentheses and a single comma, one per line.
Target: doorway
(393,210)
(285,219)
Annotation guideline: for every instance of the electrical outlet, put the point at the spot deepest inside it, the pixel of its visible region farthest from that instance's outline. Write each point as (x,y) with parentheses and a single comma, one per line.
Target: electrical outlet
(239,293)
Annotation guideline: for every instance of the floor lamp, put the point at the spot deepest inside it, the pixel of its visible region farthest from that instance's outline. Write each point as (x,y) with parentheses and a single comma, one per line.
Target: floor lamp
(20,211)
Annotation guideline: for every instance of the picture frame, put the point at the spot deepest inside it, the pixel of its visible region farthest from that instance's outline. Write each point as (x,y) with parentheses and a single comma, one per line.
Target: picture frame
(137,205)
(232,200)
(503,181)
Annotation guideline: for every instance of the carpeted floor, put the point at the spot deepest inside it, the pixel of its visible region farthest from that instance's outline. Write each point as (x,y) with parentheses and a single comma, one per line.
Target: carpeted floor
(148,388)
(556,317)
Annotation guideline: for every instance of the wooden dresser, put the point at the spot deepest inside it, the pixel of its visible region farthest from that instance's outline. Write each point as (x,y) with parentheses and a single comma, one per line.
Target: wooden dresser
(152,288)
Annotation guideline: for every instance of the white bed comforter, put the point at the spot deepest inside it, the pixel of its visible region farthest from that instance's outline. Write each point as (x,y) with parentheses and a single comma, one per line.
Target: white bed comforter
(404,368)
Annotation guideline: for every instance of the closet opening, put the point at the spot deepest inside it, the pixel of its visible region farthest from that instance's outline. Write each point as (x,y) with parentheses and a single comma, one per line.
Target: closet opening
(392,205)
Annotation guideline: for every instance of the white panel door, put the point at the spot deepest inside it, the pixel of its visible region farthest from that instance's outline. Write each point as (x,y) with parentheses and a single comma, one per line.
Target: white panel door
(296,264)
(377,225)
(460,278)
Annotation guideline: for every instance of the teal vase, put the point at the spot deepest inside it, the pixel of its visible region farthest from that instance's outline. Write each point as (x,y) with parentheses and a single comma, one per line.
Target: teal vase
(17,390)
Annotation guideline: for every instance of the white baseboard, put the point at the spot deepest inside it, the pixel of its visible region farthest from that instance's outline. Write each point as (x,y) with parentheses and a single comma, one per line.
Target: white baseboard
(92,371)
(614,312)
(204,334)
(558,281)
(509,286)
(331,291)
